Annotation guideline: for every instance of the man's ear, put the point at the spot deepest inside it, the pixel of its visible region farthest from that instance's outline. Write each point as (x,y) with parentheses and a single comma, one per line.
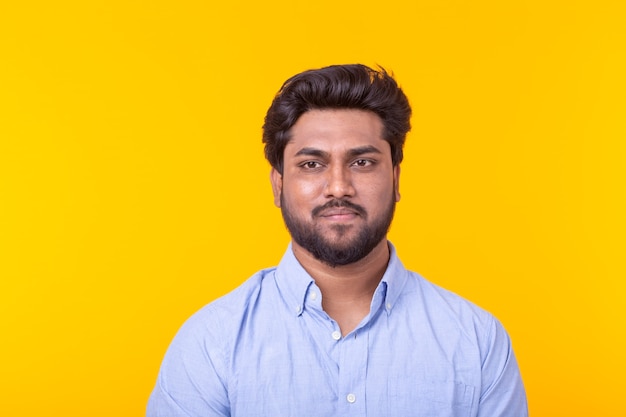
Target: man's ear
(396,182)
(277,185)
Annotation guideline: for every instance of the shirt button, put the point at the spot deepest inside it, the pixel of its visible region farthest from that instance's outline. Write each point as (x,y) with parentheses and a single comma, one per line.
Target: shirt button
(313,296)
(299,309)
(351,398)
(336,335)
(388,306)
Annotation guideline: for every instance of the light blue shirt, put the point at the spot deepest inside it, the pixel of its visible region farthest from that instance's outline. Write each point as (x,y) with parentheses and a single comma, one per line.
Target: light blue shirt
(268,349)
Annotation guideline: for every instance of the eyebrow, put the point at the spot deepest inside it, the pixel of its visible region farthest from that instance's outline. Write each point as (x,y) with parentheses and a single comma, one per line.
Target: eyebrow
(354,152)
(361,150)
(312,152)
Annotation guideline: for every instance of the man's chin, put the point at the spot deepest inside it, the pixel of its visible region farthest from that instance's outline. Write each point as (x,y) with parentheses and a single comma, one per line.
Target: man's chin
(338,233)
(340,248)
(341,242)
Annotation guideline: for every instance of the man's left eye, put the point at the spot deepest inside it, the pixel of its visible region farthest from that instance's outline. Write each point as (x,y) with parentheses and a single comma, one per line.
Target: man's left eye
(362,162)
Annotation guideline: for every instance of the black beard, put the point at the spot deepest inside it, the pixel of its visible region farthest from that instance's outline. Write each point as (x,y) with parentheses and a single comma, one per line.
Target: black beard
(335,254)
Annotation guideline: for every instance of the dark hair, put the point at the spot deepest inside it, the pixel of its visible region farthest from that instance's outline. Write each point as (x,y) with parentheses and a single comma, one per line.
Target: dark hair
(339,86)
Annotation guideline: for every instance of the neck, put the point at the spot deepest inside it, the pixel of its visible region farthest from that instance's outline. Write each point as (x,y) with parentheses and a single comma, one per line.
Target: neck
(347,290)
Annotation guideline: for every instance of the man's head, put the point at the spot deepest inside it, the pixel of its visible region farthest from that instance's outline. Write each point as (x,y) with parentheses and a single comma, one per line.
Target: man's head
(337,87)
(335,150)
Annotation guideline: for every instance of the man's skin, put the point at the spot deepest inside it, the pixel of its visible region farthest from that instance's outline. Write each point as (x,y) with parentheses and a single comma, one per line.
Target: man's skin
(339,154)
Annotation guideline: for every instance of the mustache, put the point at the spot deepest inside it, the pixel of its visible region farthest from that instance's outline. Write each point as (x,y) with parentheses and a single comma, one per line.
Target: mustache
(339,203)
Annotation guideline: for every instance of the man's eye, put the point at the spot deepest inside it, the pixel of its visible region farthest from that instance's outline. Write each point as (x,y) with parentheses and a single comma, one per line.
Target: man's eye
(311,165)
(362,163)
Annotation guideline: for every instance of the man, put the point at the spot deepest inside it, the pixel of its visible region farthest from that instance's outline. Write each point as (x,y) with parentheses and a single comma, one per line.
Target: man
(339,327)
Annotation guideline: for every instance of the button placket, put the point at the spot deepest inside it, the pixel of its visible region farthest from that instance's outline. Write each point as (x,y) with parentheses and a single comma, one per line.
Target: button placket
(352,374)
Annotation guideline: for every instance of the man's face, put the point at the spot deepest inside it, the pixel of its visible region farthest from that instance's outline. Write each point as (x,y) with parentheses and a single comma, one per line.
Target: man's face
(339,187)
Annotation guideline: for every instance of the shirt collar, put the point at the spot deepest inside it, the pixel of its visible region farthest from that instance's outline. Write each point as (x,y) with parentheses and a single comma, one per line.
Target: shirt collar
(394,278)
(294,282)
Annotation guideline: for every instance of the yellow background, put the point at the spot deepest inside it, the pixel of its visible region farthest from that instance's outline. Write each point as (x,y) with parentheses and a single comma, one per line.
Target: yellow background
(133,189)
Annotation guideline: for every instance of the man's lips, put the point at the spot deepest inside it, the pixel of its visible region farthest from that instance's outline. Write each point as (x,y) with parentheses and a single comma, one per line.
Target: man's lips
(340,210)
(338,213)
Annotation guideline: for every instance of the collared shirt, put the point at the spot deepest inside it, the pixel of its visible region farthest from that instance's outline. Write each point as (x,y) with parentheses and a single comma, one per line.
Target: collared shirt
(269,349)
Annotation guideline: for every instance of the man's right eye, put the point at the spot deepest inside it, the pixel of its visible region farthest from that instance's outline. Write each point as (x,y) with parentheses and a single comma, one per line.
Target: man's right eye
(310,165)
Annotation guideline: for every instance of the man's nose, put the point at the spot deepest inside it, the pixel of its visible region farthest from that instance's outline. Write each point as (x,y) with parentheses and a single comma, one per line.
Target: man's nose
(339,183)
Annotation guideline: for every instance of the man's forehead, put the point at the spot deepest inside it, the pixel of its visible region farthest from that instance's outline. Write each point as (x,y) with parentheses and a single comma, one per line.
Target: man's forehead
(336,130)
(323,148)
(355,151)
(323,119)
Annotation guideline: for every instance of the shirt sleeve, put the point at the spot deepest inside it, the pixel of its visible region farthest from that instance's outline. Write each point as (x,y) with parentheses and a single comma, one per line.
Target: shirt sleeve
(190,382)
(502,393)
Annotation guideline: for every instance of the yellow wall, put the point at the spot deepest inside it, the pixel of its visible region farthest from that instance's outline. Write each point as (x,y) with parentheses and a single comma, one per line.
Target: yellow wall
(133,188)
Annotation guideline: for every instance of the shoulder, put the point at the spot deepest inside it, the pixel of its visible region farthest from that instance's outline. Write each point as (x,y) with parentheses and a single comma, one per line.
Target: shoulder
(446,299)
(422,298)
(195,371)
(228,310)
(448,310)
(207,338)
(471,332)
